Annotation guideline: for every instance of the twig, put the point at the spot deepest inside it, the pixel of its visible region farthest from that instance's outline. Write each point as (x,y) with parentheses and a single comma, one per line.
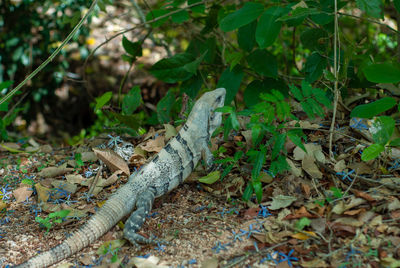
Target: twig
(94,183)
(335,90)
(138,26)
(370,20)
(52,56)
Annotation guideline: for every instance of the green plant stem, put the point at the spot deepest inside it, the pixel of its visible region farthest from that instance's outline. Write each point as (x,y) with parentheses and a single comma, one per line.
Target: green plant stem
(370,20)
(335,85)
(52,56)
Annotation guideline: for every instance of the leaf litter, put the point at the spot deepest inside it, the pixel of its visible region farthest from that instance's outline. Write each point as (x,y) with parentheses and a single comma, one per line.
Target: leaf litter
(320,214)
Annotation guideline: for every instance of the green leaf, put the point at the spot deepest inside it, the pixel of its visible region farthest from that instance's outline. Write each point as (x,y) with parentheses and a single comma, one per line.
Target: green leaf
(211,177)
(397,5)
(372,152)
(102,100)
(248,192)
(153,14)
(314,67)
(303,222)
(321,97)
(371,7)
(5,84)
(382,129)
(382,73)
(248,13)
(314,39)
(164,107)
(263,62)
(234,121)
(197,9)
(257,186)
(192,86)
(279,143)
(59,214)
(395,143)
(132,100)
(278,94)
(316,107)
(296,92)
(132,121)
(211,19)
(372,109)
(180,17)
(174,69)
(268,97)
(337,193)
(192,66)
(294,136)
(258,162)
(199,46)
(231,79)
(225,109)
(307,108)
(246,36)
(233,58)
(132,48)
(255,88)
(268,28)
(299,13)
(306,88)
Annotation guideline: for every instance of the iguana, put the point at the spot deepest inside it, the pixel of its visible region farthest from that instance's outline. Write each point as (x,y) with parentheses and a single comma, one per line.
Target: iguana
(169,168)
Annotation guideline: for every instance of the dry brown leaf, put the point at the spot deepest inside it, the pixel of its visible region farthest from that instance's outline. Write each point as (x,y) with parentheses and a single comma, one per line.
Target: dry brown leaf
(210,263)
(349,221)
(64,185)
(314,263)
(300,213)
(319,224)
(88,157)
(112,179)
(364,195)
(340,166)
(361,168)
(310,167)
(150,262)
(75,178)
(293,169)
(22,193)
(112,160)
(154,145)
(304,235)
(313,150)
(3,205)
(354,212)
(170,131)
(51,172)
(394,204)
(43,192)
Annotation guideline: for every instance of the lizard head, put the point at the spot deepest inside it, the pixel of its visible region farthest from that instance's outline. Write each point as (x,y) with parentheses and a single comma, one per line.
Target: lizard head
(203,112)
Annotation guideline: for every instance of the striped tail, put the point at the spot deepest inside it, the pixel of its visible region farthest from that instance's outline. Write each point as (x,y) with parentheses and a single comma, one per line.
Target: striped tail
(119,205)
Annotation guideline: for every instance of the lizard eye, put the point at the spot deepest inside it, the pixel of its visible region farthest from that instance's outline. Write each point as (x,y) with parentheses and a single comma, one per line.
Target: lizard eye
(219,99)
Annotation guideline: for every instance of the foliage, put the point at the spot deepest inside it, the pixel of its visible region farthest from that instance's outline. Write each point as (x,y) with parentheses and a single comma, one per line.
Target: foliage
(29,32)
(276,56)
(52,218)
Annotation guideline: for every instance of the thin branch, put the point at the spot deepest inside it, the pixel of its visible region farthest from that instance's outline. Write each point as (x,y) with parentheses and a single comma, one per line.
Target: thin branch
(370,20)
(140,25)
(52,56)
(335,86)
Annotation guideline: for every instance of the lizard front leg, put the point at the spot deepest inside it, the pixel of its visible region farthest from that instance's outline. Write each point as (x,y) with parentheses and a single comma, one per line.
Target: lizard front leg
(208,159)
(132,225)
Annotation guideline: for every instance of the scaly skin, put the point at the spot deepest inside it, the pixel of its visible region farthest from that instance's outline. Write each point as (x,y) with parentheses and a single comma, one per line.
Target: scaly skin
(170,167)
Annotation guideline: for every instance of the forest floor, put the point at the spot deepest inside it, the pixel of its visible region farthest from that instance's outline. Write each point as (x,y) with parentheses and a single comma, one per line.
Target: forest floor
(320,214)
(317,215)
